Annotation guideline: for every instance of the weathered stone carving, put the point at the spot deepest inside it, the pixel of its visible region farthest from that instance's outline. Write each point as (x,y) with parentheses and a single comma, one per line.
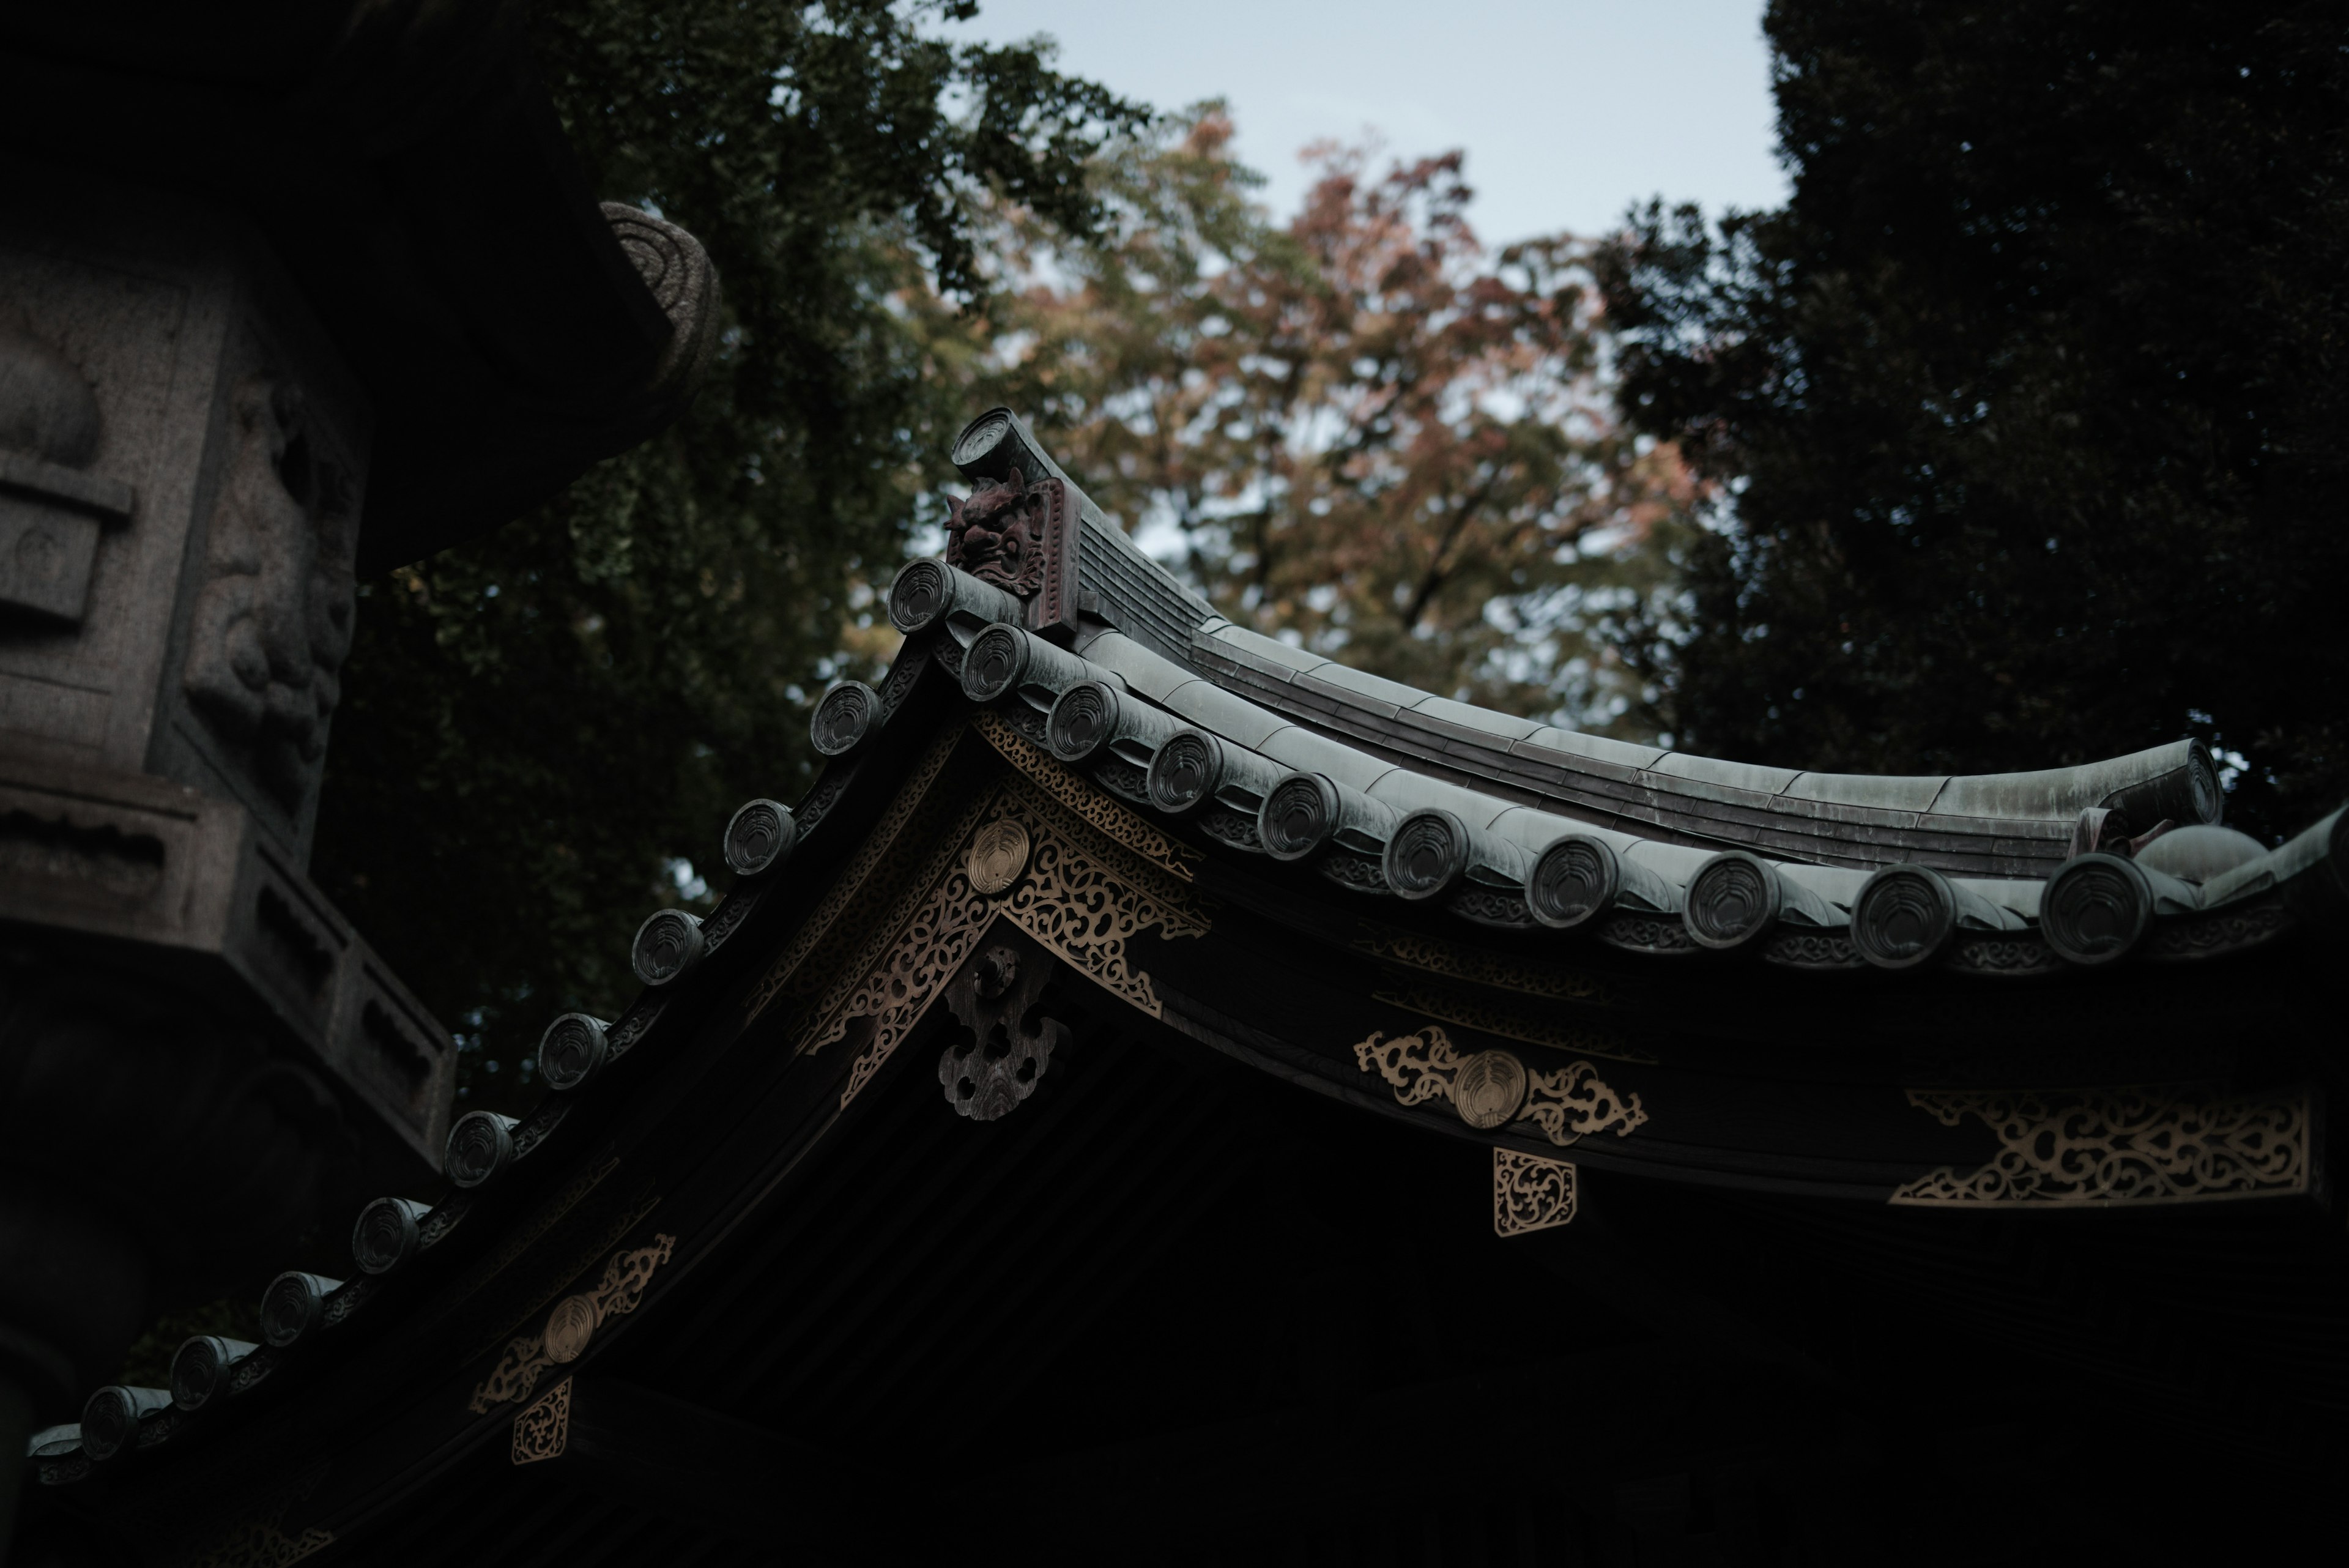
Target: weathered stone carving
(49,510)
(273,624)
(1008,1044)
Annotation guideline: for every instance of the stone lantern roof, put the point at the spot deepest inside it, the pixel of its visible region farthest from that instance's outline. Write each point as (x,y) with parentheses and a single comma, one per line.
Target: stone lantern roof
(405,166)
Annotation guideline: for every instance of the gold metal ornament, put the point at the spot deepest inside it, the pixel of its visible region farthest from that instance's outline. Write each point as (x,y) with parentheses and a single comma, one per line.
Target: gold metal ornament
(1568,1104)
(570,1326)
(998,853)
(1489,1088)
(625,1275)
(542,1431)
(1531,1193)
(2116,1146)
(1079,896)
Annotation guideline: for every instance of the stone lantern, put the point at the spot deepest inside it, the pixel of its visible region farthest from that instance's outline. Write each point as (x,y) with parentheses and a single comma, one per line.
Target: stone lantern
(284,299)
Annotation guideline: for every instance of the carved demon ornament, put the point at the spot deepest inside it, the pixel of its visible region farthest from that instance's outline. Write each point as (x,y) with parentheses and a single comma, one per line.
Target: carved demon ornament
(998,536)
(274,622)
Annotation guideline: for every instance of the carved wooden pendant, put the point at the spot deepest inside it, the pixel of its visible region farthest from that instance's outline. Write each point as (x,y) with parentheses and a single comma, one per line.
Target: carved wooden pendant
(989,1070)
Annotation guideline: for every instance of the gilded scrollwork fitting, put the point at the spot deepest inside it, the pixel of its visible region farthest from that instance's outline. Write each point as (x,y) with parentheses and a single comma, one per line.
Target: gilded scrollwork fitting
(1089,804)
(2133,1146)
(1530,1192)
(543,1429)
(1568,1104)
(1078,896)
(571,1325)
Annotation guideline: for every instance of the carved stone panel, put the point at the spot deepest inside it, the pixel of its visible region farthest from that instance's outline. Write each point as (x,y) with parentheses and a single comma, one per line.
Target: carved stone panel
(181,460)
(273,620)
(50,509)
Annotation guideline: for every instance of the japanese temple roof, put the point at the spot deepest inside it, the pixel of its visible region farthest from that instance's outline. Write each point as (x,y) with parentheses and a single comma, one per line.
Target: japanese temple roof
(1355,867)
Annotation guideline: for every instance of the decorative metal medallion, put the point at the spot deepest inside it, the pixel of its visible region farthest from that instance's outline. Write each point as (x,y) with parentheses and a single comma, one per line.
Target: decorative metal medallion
(1568,1104)
(1488,1089)
(1531,1193)
(571,1325)
(2120,1147)
(998,853)
(544,1428)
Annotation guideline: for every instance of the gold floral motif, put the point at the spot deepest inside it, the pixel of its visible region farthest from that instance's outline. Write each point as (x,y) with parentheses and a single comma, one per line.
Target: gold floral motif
(626,1274)
(1471,1013)
(1531,1193)
(543,1427)
(1433,955)
(1096,809)
(1082,900)
(861,984)
(1569,1104)
(2135,1146)
(924,956)
(1574,1102)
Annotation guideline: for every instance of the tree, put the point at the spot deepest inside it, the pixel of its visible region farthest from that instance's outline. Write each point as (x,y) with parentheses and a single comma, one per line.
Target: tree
(539,733)
(2030,400)
(1362,429)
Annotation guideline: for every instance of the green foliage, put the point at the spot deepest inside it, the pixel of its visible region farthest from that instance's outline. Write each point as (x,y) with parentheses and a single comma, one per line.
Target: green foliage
(538,729)
(2031,400)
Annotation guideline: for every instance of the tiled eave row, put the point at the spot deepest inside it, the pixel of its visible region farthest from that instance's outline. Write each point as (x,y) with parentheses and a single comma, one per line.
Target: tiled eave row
(2254,901)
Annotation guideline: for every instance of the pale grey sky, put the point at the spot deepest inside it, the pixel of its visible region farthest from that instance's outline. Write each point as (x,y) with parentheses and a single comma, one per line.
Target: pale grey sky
(1569,109)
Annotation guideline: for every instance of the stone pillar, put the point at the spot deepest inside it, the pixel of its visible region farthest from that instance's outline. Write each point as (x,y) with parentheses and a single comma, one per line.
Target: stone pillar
(198,1058)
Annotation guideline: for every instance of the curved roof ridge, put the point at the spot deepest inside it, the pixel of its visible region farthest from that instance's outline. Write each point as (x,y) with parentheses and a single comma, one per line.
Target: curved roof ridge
(1989,825)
